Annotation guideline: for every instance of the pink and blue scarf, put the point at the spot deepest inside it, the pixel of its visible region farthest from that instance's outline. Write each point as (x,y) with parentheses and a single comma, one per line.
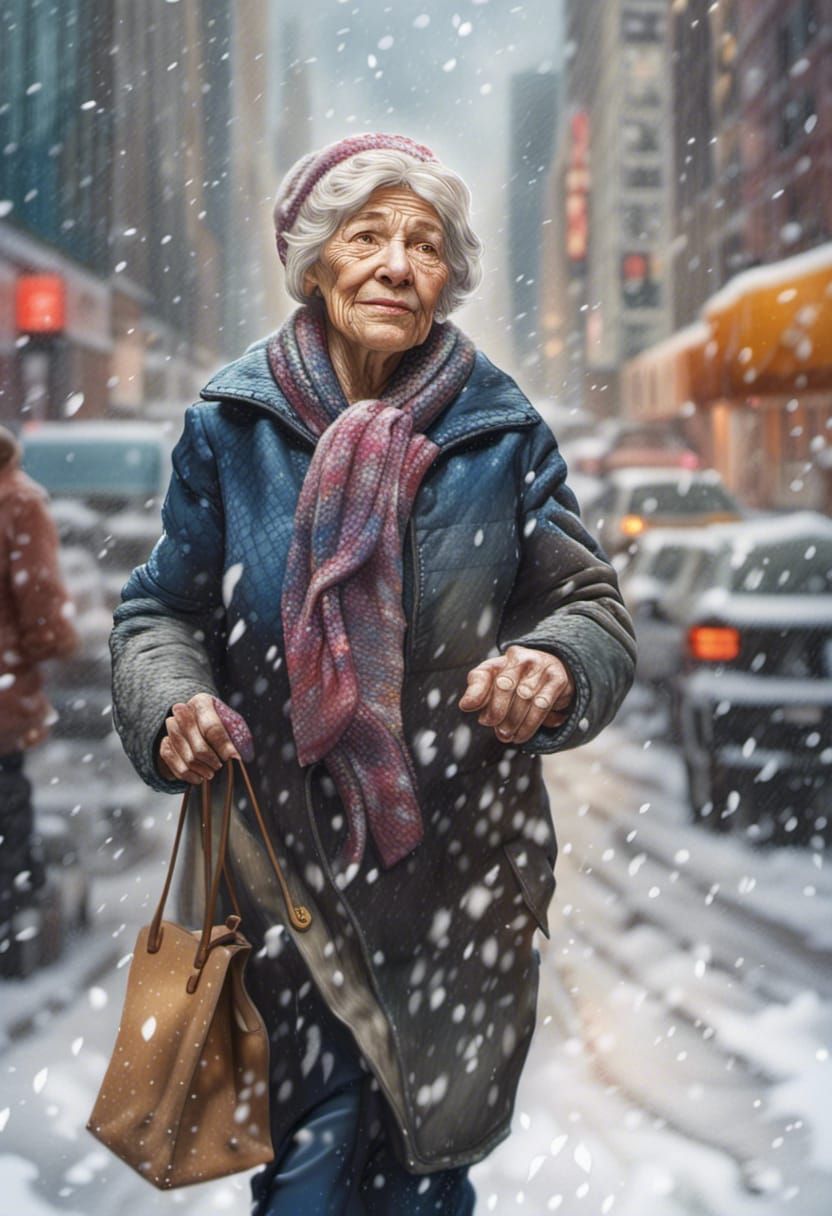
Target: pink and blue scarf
(341,605)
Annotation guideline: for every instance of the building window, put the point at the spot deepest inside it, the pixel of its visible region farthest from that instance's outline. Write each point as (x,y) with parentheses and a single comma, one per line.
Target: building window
(796,120)
(643,75)
(642,177)
(639,287)
(642,221)
(803,220)
(641,136)
(733,255)
(634,339)
(795,34)
(640,26)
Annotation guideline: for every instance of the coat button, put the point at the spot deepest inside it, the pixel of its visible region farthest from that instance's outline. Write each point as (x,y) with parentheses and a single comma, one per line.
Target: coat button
(233,1142)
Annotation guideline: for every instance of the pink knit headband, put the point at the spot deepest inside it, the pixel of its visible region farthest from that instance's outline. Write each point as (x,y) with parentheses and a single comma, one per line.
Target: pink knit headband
(315,165)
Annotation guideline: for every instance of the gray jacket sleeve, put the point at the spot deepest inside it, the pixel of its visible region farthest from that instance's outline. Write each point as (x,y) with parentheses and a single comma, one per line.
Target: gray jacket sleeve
(161,641)
(566,601)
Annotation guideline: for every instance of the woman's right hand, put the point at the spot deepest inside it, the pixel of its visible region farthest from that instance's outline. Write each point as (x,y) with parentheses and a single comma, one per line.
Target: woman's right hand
(202,734)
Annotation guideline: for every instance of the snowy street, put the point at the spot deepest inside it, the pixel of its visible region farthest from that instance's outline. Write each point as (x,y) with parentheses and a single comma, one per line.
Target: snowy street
(679,1063)
(678,1066)
(389,392)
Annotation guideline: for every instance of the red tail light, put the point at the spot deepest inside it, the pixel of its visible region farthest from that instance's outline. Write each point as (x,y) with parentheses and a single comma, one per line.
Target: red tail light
(713,643)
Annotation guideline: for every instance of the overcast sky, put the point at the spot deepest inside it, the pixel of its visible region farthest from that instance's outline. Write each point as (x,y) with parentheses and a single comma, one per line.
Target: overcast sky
(435,71)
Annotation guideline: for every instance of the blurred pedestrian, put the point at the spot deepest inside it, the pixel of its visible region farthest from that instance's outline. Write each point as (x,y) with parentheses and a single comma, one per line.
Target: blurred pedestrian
(35,624)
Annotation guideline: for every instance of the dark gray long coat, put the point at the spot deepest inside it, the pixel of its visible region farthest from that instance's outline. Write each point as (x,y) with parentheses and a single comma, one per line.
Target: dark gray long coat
(430,964)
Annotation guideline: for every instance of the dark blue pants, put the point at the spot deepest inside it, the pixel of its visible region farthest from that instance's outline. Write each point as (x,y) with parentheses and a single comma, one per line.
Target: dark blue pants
(338,1162)
(17,823)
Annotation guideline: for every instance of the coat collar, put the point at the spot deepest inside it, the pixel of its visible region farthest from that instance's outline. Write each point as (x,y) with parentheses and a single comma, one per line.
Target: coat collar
(489,401)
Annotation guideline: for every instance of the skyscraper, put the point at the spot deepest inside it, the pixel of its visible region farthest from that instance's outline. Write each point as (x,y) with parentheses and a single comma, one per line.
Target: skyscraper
(532,125)
(136,176)
(617,77)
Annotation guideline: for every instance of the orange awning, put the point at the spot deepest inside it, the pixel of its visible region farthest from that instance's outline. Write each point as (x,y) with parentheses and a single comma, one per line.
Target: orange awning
(770,330)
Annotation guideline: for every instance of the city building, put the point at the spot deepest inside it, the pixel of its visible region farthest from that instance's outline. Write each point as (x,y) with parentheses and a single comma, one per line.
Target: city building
(749,368)
(617,80)
(564,250)
(783,52)
(57,143)
(291,101)
(695,220)
(533,115)
(136,180)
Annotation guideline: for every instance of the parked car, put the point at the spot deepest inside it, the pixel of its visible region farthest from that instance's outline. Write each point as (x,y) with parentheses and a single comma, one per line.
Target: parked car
(79,687)
(755,696)
(117,469)
(637,500)
(78,524)
(639,445)
(566,421)
(585,452)
(633,457)
(656,584)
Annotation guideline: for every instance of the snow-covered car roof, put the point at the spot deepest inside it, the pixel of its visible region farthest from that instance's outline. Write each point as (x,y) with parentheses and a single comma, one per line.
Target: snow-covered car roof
(689,538)
(630,479)
(585,445)
(127,524)
(797,609)
(99,459)
(557,415)
(87,430)
(71,512)
(585,488)
(774,528)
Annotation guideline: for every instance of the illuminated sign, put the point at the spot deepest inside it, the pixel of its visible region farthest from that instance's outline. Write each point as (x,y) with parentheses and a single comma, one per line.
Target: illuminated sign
(41,303)
(577,188)
(639,288)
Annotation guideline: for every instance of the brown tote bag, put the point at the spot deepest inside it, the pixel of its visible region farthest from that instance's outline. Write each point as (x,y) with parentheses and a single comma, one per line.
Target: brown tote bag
(186,1094)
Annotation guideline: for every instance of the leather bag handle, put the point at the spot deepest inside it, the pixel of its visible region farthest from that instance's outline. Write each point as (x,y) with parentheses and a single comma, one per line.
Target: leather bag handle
(299,916)
(212,881)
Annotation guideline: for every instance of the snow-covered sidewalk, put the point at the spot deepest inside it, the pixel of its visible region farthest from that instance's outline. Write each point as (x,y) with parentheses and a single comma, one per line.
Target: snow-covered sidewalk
(679,1067)
(681,1063)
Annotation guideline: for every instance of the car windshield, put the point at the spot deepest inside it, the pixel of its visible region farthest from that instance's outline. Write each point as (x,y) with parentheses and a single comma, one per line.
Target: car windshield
(794,567)
(98,468)
(667,563)
(648,439)
(682,497)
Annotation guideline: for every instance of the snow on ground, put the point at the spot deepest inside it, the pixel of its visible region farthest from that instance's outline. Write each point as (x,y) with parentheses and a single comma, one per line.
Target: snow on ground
(680,1063)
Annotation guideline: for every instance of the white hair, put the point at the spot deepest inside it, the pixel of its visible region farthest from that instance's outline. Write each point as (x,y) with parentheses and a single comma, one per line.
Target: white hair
(346,188)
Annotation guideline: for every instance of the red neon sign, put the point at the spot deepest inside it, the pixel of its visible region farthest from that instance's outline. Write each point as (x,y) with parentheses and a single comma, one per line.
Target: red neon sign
(40,303)
(577,188)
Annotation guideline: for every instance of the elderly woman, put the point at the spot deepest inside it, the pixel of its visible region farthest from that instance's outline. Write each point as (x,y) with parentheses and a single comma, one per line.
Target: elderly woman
(373,585)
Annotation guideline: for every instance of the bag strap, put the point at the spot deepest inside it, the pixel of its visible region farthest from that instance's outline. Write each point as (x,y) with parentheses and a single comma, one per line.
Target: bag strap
(299,916)
(212,879)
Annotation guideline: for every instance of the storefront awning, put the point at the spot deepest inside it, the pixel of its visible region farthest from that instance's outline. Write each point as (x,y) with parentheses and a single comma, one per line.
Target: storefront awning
(771,329)
(659,382)
(768,332)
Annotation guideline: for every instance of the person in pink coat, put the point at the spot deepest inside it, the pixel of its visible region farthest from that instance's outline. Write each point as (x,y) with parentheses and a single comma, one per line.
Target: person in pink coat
(36,624)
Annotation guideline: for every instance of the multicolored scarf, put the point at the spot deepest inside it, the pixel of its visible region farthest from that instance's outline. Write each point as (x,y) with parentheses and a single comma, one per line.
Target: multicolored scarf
(343,620)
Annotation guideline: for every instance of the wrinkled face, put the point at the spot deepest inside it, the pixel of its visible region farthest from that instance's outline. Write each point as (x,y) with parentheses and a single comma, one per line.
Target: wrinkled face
(382,272)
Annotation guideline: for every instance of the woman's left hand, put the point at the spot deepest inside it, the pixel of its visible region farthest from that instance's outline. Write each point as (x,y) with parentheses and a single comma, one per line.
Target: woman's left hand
(518,692)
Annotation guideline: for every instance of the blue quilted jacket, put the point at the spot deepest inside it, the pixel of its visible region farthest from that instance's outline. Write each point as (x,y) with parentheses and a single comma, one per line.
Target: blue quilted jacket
(430,965)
